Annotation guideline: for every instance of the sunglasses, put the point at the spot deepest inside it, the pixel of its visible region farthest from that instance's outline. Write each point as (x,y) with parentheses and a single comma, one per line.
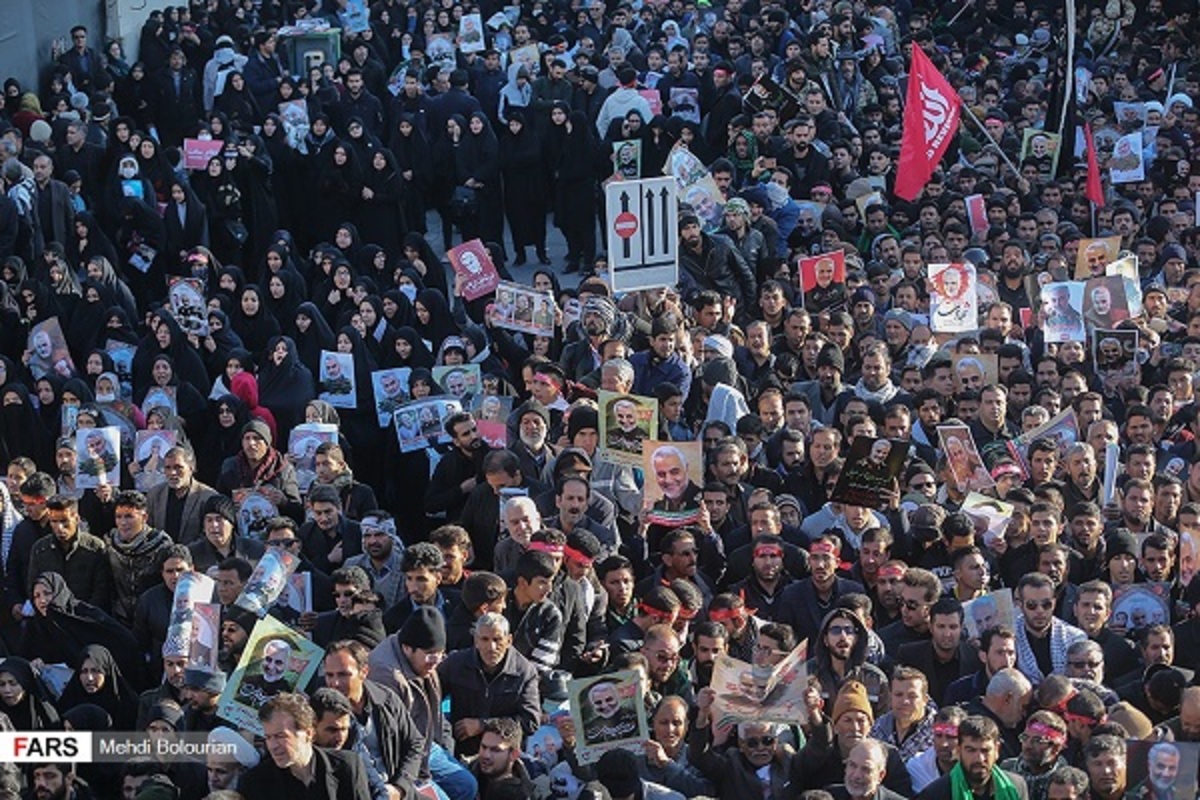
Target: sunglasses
(1034,605)
(840,630)
(1087,664)
(913,605)
(760,741)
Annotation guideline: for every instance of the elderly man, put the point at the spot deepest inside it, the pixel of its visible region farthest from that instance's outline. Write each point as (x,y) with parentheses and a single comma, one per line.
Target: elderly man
(489,680)
(747,770)
(225,772)
(1162,771)
(866,768)
(220,541)
(175,506)
(1008,695)
(296,767)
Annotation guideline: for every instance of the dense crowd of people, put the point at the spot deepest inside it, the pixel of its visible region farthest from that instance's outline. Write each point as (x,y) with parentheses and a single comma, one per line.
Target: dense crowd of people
(1012,611)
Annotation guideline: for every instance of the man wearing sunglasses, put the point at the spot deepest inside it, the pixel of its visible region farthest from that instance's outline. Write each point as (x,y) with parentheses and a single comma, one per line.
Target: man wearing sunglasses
(756,767)
(1042,638)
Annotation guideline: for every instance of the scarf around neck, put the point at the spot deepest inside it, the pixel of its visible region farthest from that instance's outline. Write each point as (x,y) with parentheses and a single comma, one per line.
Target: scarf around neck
(1002,786)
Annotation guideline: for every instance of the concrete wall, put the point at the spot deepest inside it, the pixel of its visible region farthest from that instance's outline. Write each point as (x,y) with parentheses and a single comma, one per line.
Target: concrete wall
(28,27)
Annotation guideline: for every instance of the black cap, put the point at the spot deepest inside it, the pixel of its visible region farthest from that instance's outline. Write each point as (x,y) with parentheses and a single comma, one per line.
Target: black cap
(424,630)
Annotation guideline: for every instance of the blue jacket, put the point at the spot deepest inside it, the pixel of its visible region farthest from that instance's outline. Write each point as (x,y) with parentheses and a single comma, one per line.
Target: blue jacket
(649,371)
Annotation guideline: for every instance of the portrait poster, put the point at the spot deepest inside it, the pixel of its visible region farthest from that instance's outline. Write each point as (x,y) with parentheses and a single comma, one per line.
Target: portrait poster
(149,452)
(303,442)
(989,515)
(1127,163)
(1041,149)
(470,33)
(1155,768)
(963,456)
(544,745)
(268,581)
(198,152)
(294,114)
(627,159)
(419,423)
(491,416)
(48,351)
(1062,312)
(527,56)
(626,421)
(608,713)
(277,659)
(354,17)
(337,379)
(297,595)
(390,388)
(989,611)
(160,397)
(766,94)
(188,305)
(869,477)
(255,510)
(652,97)
(472,263)
(460,382)
(440,50)
(684,102)
(1095,255)
(97,457)
(122,354)
(973,371)
(823,281)
(684,166)
(953,302)
(1127,267)
(746,693)
(521,308)
(707,201)
(204,649)
(1129,116)
(70,415)
(1139,605)
(1104,303)
(1115,354)
(674,482)
(1063,429)
(192,589)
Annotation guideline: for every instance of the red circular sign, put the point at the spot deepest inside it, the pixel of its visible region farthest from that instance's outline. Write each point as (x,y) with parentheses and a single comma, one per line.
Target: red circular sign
(625,225)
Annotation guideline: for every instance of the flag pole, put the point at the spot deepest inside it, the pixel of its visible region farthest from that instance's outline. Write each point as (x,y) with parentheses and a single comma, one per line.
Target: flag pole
(971,115)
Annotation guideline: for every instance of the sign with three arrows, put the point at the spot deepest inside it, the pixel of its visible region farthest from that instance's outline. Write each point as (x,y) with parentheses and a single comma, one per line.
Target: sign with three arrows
(643,236)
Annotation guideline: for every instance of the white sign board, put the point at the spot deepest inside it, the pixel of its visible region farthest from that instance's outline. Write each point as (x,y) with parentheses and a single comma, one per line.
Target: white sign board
(643,233)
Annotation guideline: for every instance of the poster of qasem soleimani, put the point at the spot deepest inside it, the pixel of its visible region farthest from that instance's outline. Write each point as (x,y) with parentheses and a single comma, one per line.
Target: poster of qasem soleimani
(871,470)
(626,422)
(277,659)
(608,713)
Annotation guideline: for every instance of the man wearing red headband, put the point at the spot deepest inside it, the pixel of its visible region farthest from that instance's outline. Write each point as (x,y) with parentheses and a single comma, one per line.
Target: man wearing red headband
(805,602)
(1042,744)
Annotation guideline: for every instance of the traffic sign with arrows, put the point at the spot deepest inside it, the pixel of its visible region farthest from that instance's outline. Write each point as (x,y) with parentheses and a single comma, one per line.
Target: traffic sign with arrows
(643,240)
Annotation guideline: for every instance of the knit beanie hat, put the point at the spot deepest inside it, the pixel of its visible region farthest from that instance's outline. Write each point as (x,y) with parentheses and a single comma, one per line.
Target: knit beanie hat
(582,419)
(831,356)
(222,505)
(852,697)
(424,630)
(259,429)
(1121,542)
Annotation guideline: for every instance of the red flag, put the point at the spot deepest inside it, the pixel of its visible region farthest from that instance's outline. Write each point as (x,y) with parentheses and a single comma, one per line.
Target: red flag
(1095,190)
(930,120)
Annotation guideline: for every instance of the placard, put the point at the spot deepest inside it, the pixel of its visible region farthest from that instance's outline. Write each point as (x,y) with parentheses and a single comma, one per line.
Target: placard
(1040,149)
(303,442)
(460,382)
(470,33)
(122,354)
(1063,429)
(990,611)
(255,511)
(674,482)
(1156,768)
(626,421)
(1062,312)
(1127,163)
(473,263)
(748,693)
(963,457)
(188,305)
(268,581)
(991,516)
(419,423)
(1139,605)
(491,418)
(337,379)
(277,659)
(48,351)
(150,452)
(97,458)
(520,308)
(204,649)
(390,387)
(198,152)
(823,281)
(608,713)
(1104,304)
(869,477)
(953,301)
(627,159)
(1095,255)
(191,589)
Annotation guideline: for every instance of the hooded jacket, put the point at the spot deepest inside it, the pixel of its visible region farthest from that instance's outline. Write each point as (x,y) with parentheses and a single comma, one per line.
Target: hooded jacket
(820,665)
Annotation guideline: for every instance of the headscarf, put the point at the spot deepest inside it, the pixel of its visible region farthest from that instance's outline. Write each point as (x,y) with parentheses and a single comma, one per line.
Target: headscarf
(34,712)
(116,696)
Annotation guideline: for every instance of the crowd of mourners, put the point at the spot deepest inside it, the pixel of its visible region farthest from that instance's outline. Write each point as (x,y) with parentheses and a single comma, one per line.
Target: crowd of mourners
(457,588)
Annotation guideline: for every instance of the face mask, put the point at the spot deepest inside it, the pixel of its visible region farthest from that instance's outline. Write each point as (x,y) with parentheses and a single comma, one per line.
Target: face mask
(106,398)
(128,173)
(409,291)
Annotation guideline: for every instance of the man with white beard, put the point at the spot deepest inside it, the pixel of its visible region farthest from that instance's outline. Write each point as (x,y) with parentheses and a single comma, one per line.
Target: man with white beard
(866,767)
(529,440)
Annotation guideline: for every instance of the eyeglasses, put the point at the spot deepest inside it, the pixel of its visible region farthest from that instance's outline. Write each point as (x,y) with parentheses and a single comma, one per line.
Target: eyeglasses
(1087,664)
(914,605)
(349,593)
(664,657)
(1034,605)
(841,630)
(760,741)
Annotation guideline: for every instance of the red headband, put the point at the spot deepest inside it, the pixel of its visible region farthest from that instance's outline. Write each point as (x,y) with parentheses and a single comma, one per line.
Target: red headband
(1042,729)
(730,614)
(894,571)
(687,613)
(822,548)
(650,611)
(768,550)
(547,547)
(578,556)
(945,729)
